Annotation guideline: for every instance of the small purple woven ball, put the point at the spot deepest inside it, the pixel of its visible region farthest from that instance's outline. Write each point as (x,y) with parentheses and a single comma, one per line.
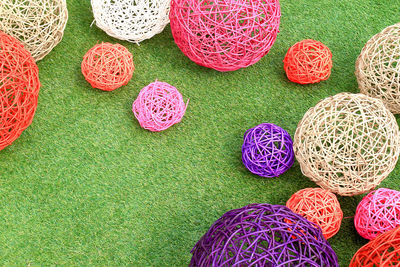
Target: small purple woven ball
(267,150)
(263,235)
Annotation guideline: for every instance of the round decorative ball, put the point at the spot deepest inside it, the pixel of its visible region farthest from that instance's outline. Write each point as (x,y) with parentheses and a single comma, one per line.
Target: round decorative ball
(19,89)
(347,143)
(267,150)
(132,21)
(308,61)
(378,67)
(225,35)
(107,66)
(263,235)
(319,206)
(384,250)
(38,24)
(158,106)
(378,212)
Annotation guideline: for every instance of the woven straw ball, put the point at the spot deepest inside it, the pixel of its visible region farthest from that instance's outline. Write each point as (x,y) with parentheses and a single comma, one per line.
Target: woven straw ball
(267,150)
(319,206)
(378,67)
(38,24)
(378,212)
(382,251)
(107,66)
(158,106)
(131,20)
(263,235)
(347,143)
(225,35)
(19,89)
(307,62)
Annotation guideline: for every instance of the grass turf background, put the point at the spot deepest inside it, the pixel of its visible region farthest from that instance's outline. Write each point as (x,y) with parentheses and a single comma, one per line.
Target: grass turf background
(85,185)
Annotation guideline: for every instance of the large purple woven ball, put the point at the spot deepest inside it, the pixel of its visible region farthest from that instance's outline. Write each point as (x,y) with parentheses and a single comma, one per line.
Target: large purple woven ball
(263,235)
(267,150)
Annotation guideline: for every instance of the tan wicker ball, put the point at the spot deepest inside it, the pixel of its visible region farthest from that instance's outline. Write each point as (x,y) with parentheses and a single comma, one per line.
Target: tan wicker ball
(38,24)
(378,67)
(131,20)
(347,143)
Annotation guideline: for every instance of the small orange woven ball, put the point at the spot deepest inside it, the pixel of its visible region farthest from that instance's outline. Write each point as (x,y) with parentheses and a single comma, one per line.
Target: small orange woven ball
(308,61)
(319,206)
(107,66)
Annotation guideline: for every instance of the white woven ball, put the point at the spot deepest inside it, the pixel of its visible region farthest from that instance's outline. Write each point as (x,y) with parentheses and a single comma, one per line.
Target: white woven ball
(131,20)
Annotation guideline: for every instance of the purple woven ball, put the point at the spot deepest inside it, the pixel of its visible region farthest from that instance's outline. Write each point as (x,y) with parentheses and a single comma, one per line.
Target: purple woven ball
(263,235)
(267,150)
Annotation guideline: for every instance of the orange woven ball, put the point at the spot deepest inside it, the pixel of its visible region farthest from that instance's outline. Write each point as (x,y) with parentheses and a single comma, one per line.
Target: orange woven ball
(319,206)
(384,250)
(307,62)
(107,66)
(19,89)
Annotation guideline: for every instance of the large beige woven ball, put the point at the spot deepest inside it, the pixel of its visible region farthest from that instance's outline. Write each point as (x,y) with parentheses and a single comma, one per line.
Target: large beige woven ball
(378,67)
(347,143)
(38,24)
(131,20)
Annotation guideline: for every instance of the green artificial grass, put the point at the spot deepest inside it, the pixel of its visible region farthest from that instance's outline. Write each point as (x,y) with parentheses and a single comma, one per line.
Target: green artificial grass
(85,185)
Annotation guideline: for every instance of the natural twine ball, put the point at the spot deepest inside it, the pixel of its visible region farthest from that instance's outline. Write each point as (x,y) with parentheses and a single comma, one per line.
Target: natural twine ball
(378,212)
(347,143)
(107,66)
(382,251)
(378,67)
(267,150)
(158,106)
(263,235)
(308,61)
(131,20)
(225,35)
(319,206)
(38,24)
(19,89)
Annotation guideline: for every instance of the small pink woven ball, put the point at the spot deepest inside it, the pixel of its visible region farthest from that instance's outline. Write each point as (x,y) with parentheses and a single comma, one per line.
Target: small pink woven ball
(159,106)
(378,212)
(225,35)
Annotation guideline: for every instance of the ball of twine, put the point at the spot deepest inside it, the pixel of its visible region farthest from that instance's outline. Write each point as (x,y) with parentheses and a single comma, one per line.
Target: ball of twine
(319,206)
(378,212)
(132,21)
(107,66)
(38,24)
(19,89)
(225,35)
(378,67)
(308,61)
(158,106)
(263,235)
(267,150)
(384,250)
(347,143)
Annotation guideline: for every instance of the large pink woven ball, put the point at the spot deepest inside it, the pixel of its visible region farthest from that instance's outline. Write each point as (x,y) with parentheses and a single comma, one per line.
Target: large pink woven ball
(378,212)
(225,35)
(159,106)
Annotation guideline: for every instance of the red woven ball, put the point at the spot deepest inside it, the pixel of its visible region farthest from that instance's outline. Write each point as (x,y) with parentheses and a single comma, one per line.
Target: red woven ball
(319,206)
(19,89)
(225,35)
(107,66)
(307,62)
(378,212)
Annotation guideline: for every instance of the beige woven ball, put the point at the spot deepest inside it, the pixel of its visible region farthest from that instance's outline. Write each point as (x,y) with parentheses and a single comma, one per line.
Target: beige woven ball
(38,24)
(347,143)
(378,67)
(131,20)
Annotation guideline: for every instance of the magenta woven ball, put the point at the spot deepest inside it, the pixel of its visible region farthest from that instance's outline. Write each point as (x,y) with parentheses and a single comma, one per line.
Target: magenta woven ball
(378,212)
(225,35)
(159,106)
